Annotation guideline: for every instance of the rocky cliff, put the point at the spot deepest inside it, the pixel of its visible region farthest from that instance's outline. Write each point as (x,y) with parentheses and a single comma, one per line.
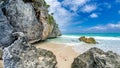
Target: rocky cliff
(23,22)
(30,17)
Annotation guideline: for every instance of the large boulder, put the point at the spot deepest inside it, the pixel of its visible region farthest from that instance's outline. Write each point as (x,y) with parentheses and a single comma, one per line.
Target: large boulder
(96,58)
(88,40)
(21,54)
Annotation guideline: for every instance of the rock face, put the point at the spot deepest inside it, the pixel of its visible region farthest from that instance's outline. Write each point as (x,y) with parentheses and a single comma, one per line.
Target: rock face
(5,31)
(21,54)
(30,17)
(50,28)
(88,40)
(22,17)
(1,53)
(55,32)
(23,22)
(96,58)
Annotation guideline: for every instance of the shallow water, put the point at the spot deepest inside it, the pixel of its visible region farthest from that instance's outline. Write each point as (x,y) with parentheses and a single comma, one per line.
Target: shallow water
(106,43)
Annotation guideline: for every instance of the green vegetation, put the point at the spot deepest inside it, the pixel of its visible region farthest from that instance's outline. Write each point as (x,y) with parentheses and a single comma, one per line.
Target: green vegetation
(50,19)
(46,5)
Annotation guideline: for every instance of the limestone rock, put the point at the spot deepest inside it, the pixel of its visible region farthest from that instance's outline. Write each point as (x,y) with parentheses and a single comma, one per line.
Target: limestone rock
(21,54)
(30,17)
(55,32)
(1,53)
(22,17)
(88,40)
(96,58)
(50,28)
(5,31)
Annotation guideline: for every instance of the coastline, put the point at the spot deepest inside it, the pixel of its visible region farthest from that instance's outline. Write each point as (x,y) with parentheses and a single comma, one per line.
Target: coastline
(64,54)
(66,48)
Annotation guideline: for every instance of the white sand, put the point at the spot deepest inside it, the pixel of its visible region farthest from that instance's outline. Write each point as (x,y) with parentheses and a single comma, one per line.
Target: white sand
(64,54)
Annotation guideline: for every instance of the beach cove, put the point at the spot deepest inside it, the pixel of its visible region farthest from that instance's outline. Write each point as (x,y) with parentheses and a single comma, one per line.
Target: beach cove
(67,47)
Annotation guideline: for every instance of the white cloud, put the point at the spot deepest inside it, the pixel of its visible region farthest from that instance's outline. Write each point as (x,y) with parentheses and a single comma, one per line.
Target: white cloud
(61,15)
(106,27)
(93,15)
(118,1)
(89,8)
(96,28)
(114,25)
(74,4)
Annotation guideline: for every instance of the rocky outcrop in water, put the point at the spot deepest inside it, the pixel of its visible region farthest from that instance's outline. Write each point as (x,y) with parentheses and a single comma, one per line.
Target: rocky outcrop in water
(30,17)
(21,54)
(88,40)
(96,58)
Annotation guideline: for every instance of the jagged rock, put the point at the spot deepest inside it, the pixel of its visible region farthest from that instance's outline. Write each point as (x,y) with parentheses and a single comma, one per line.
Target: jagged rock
(82,38)
(55,32)
(21,54)
(22,17)
(96,58)
(5,31)
(88,40)
(30,17)
(50,28)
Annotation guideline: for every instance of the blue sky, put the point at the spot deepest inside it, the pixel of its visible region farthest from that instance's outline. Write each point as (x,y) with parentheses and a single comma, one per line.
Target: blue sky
(86,16)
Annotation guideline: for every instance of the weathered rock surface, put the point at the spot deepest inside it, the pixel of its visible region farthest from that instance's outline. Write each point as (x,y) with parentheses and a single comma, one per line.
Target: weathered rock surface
(88,40)
(50,28)
(30,17)
(5,31)
(55,32)
(1,53)
(21,54)
(96,58)
(22,17)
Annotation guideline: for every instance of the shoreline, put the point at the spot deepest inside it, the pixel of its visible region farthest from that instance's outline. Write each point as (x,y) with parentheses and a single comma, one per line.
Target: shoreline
(64,54)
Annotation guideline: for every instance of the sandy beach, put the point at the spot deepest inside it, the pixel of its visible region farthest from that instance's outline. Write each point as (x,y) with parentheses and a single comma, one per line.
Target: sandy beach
(1,64)
(64,54)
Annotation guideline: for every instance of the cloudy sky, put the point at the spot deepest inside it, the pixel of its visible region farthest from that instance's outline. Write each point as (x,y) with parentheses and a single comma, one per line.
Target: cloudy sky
(86,16)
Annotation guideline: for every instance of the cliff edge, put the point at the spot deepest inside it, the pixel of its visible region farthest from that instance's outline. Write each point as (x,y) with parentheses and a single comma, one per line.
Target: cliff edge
(30,17)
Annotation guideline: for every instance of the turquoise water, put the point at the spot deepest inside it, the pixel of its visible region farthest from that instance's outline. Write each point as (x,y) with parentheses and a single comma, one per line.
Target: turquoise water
(96,34)
(107,41)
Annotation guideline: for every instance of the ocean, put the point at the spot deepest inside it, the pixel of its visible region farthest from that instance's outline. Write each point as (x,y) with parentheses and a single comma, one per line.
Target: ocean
(107,41)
